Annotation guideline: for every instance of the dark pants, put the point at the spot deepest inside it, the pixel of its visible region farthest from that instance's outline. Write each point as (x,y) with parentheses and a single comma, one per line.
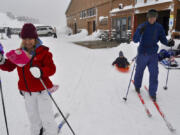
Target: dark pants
(151,61)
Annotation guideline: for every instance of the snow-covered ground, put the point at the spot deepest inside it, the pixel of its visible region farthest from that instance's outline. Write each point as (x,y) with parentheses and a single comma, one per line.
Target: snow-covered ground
(91,90)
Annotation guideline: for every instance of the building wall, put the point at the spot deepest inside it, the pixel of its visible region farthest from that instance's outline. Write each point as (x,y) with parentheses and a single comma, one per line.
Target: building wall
(105,6)
(103,10)
(79,5)
(176,19)
(176,13)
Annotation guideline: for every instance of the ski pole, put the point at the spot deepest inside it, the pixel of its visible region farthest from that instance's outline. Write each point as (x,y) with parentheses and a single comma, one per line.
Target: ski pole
(4,110)
(165,87)
(125,98)
(58,107)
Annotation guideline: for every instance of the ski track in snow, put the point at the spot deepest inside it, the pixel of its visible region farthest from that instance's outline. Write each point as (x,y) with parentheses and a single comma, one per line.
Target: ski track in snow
(91,90)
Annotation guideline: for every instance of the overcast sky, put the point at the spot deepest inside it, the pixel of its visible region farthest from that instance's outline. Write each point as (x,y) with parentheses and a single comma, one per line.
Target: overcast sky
(47,11)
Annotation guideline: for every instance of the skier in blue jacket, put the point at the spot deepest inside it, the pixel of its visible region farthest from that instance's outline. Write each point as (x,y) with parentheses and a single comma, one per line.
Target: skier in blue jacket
(148,35)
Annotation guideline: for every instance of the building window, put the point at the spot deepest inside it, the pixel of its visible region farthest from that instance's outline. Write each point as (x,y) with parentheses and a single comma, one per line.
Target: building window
(129,23)
(114,23)
(94,11)
(84,13)
(81,15)
(88,13)
(120,25)
(91,12)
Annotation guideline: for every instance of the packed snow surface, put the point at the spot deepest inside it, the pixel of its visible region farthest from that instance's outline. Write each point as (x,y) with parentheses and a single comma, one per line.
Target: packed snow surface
(91,90)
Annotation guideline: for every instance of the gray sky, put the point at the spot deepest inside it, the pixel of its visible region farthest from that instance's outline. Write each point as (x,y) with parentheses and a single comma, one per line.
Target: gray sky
(47,11)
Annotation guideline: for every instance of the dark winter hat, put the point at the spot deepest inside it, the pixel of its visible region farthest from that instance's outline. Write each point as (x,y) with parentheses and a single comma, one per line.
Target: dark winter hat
(152,13)
(121,54)
(29,31)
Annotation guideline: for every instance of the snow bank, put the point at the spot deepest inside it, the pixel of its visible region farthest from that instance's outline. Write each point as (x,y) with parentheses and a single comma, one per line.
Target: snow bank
(64,30)
(83,36)
(79,36)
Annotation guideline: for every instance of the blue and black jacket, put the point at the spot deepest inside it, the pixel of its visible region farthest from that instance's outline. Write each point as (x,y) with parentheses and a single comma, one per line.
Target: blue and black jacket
(149,38)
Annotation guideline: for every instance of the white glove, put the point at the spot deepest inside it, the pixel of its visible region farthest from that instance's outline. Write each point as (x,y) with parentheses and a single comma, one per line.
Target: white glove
(2,60)
(36,72)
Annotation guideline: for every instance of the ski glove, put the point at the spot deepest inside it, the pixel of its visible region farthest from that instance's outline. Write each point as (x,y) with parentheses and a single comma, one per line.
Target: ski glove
(36,72)
(2,60)
(171,42)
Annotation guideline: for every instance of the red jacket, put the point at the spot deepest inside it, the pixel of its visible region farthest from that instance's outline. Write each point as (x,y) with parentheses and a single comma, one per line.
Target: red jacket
(43,60)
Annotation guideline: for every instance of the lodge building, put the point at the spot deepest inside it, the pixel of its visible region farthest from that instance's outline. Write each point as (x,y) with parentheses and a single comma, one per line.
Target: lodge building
(121,15)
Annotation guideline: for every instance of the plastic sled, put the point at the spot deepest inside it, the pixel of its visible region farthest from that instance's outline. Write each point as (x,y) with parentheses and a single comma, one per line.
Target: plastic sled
(124,70)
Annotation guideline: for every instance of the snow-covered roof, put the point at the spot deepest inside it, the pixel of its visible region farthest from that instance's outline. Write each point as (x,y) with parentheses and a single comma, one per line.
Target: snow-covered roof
(115,10)
(150,3)
(138,5)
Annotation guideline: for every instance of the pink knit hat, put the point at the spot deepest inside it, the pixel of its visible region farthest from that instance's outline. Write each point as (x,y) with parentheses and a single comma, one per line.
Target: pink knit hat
(29,31)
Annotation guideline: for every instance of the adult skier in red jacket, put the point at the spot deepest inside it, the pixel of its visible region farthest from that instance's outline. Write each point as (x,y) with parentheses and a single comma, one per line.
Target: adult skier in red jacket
(37,101)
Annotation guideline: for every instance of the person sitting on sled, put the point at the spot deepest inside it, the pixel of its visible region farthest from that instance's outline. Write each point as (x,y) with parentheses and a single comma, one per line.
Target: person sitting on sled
(167,57)
(121,61)
(167,54)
